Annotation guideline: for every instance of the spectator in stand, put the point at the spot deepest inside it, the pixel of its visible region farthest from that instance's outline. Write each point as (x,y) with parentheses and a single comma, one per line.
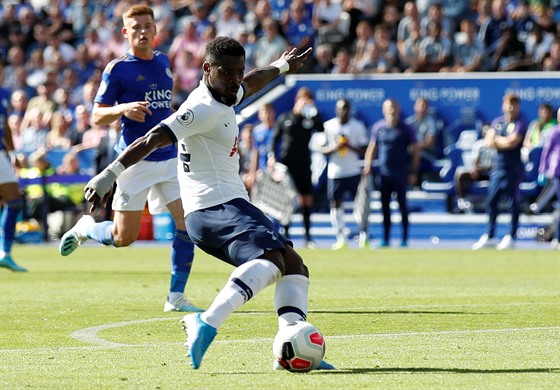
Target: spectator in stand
(435,51)
(435,15)
(298,29)
(228,22)
(551,62)
(410,12)
(18,102)
(390,18)
(539,129)
(56,137)
(43,102)
(386,48)
(549,169)
(506,135)
(247,40)
(323,59)
(523,20)
(455,11)
(16,60)
(410,51)
(327,21)
(393,143)
(510,54)
(84,65)
(426,129)
(200,12)
(271,46)
(94,46)
(57,44)
(491,29)
(364,38)
(291,148)
(254,20)
(34,135)
(343,63)
(538,43)
(468,52)
(186,41)
(80,126)
(346,143)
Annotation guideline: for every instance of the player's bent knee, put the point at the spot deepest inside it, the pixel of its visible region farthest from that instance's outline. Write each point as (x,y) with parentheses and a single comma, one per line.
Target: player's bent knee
(122,241)
(294,264)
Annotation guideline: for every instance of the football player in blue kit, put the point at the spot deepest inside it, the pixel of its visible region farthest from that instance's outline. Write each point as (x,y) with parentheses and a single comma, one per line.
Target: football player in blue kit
(136,88)
(9,188)
(219,216)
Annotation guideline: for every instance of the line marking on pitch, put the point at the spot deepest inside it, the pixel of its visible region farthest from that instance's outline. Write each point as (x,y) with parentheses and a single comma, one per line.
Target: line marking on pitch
(89,335)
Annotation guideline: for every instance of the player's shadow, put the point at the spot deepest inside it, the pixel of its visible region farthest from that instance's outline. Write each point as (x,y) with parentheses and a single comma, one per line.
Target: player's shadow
(419,370)
(354,312)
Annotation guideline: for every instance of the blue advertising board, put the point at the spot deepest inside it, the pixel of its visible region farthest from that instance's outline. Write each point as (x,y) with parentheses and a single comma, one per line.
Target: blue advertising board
(452,96)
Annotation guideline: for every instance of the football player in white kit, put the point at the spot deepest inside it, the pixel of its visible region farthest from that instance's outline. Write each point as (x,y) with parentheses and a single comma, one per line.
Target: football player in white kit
(219,217)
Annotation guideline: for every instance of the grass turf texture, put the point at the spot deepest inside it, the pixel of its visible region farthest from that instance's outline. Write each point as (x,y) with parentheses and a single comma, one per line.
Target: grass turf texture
(411,319)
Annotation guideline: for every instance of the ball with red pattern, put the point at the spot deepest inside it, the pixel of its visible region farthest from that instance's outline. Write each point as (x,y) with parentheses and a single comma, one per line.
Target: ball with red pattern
(299,347)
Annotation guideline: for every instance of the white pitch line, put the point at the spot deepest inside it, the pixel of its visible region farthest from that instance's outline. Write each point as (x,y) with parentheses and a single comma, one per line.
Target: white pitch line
(86,335)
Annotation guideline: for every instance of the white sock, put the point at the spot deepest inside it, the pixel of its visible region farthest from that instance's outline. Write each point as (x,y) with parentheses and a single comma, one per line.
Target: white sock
(245,281)
(337,221)
(291,299)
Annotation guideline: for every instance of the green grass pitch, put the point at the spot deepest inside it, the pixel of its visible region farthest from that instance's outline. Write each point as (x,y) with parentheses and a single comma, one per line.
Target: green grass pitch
(392,319)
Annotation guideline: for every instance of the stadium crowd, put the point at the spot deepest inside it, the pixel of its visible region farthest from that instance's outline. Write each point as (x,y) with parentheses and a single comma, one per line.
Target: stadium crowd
(53,51)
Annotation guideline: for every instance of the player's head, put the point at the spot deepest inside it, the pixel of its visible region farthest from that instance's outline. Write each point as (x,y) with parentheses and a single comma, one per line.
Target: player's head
(511,106)
(224,68)
(391,112)
(342,110)
(139,28)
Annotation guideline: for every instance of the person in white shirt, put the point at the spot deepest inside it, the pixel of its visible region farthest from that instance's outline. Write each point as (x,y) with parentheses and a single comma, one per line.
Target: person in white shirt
(346,144)
(219,216)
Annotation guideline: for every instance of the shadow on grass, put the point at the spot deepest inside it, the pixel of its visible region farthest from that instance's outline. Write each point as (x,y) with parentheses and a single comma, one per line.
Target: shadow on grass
(354,312)
(429,370)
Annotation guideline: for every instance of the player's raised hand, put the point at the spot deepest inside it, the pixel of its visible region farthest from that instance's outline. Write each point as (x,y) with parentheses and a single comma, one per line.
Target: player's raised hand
(295,60)
(137,111)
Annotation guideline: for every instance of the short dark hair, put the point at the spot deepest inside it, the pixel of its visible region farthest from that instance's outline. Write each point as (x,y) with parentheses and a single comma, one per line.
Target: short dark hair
(223,46)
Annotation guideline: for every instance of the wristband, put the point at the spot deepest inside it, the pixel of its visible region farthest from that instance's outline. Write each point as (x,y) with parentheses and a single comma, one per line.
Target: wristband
(282,65)
(116,168)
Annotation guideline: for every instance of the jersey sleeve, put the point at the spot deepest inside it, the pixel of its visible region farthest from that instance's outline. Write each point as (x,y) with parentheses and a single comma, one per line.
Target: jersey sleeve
(190,120)
(109,87)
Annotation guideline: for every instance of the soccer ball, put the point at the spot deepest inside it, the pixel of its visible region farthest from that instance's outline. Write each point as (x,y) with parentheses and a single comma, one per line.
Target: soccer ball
(299,347)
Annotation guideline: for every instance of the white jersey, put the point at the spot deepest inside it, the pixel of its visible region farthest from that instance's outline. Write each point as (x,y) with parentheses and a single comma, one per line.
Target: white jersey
(208,142)
(345,162)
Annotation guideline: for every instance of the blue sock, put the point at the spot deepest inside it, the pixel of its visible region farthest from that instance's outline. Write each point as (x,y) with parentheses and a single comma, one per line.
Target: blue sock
(8,224)
(102,232)
(182,255)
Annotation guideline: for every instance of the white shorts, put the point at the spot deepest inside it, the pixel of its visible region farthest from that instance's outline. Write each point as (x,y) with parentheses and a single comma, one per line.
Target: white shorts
(7,173)
(155,181)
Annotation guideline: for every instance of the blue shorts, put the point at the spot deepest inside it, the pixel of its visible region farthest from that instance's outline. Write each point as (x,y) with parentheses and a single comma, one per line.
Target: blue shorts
(235,232)
(337,188)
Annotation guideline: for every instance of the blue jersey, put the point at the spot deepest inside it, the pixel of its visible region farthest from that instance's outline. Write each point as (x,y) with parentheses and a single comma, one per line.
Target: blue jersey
(392,147)
(509,160)
(4,104)
(130,79)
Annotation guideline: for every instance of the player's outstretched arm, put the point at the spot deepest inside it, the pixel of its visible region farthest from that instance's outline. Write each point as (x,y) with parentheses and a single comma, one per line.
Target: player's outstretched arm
(104,114)
(289,62)
(99,188)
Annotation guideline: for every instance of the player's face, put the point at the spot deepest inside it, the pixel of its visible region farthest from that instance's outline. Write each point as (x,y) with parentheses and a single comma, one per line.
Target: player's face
(225,77)
(140,31)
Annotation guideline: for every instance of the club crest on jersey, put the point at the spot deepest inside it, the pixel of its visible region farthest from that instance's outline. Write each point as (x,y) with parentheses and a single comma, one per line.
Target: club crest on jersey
(186,118)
